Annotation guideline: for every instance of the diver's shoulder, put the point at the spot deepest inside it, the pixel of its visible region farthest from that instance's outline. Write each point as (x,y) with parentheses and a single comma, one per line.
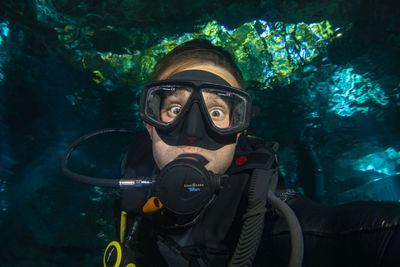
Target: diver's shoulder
(249,143)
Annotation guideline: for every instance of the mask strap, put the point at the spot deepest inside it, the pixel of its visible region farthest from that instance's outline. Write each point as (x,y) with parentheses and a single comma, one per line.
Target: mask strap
(199,75)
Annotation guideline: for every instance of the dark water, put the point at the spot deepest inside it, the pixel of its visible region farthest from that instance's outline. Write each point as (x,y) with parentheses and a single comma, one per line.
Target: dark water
(336,114)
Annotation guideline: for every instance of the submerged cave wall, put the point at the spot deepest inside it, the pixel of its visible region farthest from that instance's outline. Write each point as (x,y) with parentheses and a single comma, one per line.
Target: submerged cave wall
(335,116)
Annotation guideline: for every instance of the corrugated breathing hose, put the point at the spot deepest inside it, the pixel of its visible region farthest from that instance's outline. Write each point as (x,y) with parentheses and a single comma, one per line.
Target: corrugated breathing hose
(262,187)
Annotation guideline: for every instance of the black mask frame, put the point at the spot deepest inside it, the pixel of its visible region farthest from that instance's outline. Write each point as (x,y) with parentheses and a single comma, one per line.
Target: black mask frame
(194,98)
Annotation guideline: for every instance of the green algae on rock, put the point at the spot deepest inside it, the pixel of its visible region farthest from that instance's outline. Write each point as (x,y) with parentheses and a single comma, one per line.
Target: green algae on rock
(267,53)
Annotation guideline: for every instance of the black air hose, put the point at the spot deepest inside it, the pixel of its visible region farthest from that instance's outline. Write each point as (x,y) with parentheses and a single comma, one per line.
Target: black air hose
(296,235)
(113,183)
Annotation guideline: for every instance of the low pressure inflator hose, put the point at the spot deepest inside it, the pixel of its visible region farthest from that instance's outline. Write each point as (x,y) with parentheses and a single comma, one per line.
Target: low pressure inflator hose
(296,234)
(95,181)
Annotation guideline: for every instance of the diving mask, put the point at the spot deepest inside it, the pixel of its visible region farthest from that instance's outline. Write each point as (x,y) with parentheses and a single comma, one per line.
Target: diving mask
(195,103)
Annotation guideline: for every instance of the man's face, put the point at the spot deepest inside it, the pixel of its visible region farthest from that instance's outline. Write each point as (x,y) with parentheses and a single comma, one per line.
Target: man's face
(218,107)
(220,159)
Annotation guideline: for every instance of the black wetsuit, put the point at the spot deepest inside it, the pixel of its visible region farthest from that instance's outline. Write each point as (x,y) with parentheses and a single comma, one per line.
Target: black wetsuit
(365,233)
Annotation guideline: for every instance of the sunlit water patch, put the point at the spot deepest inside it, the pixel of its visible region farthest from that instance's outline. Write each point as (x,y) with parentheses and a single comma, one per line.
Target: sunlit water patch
(342,91)
(352,92)
(385,162)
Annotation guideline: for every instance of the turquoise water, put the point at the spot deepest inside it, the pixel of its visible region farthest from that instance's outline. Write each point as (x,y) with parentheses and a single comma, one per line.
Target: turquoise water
(324,76)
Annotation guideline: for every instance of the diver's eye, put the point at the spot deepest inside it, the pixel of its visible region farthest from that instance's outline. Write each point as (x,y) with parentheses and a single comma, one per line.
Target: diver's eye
(216,114)
(174,111)
(169,113)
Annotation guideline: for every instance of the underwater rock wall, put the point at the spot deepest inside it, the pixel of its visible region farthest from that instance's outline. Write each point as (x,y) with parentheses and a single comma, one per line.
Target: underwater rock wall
(335,112)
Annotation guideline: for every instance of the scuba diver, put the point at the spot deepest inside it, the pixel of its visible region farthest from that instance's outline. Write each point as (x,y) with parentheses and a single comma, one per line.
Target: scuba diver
(199,189)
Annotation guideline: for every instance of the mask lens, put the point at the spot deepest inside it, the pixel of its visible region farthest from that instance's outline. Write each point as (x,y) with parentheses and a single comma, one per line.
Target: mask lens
(164,103)
(226,109)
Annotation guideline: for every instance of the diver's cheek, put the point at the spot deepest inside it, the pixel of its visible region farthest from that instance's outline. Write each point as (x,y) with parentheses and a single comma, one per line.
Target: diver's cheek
(222,159)
(162,153)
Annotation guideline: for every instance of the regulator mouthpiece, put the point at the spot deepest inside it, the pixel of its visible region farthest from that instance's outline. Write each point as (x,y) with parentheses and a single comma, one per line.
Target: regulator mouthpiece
(185,186)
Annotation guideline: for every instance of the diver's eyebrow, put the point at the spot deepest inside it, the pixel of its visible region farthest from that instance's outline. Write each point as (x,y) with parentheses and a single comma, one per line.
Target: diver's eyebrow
(215,100)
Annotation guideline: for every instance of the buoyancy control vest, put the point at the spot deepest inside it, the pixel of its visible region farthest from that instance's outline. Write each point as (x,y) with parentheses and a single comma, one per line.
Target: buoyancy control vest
(365,233)
(221,227)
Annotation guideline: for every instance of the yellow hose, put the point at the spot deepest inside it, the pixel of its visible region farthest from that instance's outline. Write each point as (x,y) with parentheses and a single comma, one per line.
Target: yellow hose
(122,226)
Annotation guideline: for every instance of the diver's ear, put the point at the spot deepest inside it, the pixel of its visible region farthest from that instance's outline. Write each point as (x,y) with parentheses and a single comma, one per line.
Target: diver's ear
(149,129)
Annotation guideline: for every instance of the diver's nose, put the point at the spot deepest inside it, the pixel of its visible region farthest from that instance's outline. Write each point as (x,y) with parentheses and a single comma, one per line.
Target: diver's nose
(194,125)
